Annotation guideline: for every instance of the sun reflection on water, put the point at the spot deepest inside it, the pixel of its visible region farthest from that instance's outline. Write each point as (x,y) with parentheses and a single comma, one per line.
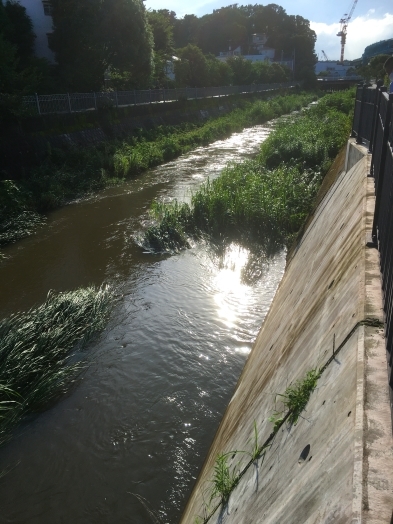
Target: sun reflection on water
(231,293)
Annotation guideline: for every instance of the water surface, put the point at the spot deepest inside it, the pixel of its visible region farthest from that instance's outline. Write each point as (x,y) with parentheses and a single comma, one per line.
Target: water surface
(142,418)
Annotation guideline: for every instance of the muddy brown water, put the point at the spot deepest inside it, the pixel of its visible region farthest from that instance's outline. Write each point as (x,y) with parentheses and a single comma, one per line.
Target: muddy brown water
(141,420)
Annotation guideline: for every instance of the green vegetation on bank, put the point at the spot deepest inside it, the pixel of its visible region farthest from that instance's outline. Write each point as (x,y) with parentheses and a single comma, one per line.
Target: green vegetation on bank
(68,174)
(36,349)
(267,198)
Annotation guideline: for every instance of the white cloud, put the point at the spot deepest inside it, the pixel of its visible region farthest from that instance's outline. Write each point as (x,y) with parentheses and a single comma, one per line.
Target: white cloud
(362,31)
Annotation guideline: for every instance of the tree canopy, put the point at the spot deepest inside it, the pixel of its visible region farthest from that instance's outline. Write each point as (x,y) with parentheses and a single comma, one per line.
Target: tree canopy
(234,25)
(374,69)
(91,38)
(21,73)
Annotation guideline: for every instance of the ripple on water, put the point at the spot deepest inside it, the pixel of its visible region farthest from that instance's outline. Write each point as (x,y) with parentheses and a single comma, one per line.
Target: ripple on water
(162,373)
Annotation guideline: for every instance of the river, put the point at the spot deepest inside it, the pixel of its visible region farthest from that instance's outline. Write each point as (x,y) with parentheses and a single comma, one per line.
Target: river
(131,436)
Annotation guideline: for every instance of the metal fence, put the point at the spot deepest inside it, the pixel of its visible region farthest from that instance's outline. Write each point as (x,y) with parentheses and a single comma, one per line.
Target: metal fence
(373,125)
(77,102)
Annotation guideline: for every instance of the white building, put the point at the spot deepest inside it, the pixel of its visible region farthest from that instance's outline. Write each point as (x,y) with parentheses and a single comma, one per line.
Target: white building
(333,68)
(261,52)
(226,54)
(40,13)
(266,55)
(170,68)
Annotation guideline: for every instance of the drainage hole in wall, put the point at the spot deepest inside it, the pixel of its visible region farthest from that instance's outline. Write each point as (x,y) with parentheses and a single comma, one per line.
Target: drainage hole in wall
(323,403)
(304,454)
(349,413)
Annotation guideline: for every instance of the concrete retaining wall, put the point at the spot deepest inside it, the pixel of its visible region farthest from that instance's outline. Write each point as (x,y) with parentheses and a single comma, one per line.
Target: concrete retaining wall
(329,298)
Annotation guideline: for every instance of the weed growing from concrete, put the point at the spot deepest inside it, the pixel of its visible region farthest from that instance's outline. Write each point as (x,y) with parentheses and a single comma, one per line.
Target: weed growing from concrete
(295,399)
(224,479)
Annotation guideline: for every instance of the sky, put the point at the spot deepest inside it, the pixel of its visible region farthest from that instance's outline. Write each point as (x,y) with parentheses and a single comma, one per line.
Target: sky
(372,20)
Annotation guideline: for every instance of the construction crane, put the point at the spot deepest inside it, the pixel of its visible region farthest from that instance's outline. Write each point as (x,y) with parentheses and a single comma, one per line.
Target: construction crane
(343,28)
(325,56)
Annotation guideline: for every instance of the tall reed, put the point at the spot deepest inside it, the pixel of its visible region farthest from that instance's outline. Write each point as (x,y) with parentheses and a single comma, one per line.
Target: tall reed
(36,349)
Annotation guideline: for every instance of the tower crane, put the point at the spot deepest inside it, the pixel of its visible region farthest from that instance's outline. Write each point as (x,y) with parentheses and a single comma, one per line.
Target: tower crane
(325,56)
(343,28)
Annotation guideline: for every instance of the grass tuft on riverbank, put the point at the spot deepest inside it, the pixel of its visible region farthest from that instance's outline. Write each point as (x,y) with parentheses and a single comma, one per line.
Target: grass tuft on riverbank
(265,198)
(36,349)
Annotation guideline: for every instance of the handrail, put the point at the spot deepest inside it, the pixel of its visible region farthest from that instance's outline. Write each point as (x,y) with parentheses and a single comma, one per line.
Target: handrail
(373,127)
(78,102)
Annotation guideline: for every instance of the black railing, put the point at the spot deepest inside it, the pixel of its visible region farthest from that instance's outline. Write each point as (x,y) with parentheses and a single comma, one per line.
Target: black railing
(77,102)
(373,126)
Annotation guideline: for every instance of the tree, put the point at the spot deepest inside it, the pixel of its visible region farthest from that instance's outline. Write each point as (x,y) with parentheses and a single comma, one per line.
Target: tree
(162,29)
(21,73)
(19,31)
(185,30)
(231,26)
(374,69)
(242,70)
(266,73)
(90,38)
(225,27)
(192,68)
(219,72)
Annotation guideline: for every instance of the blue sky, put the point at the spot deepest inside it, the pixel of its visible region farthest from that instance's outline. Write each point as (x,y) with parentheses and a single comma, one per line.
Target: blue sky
(371,21)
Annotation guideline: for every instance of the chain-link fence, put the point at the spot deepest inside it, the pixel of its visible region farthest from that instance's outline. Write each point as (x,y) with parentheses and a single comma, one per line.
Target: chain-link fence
(77,102)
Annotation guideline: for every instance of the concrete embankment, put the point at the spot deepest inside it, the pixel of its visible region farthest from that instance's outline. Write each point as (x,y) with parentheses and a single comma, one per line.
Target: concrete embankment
(336,464)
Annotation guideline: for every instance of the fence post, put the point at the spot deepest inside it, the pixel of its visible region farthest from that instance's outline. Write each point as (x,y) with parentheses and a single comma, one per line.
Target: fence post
(353,135)
(38,103)
(163,95)
(116,99)
(359,137)
(134,97)
(69,102)
(149,96)
(385,139)
(95,100)
(375,116)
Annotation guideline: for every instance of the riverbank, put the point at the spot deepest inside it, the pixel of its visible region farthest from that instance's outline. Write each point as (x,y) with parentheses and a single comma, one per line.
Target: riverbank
(74,172)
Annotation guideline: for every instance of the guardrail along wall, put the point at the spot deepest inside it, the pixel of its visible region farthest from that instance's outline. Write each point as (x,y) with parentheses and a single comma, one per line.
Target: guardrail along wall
(372,125)
(76,102)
